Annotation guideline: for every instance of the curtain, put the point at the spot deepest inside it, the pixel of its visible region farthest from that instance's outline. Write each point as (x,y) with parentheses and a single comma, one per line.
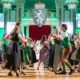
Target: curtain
(36,33)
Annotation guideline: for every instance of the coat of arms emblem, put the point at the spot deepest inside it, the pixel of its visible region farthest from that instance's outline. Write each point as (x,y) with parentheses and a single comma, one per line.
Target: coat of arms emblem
(39,16)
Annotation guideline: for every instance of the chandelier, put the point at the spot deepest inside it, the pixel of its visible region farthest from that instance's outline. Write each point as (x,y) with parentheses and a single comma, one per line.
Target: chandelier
(39,5)
(72,4)
(7,3)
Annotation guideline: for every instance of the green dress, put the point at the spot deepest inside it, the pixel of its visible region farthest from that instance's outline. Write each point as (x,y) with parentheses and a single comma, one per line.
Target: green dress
(27,50)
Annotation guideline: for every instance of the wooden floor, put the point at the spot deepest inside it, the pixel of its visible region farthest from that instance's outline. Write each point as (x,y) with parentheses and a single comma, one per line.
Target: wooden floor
(33,74)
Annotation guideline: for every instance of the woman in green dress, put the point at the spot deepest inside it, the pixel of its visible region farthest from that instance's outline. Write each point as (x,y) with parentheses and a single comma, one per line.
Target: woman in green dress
(27,51)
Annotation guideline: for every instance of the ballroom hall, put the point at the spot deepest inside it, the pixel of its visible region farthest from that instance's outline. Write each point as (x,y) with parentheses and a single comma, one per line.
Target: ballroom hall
(39,39)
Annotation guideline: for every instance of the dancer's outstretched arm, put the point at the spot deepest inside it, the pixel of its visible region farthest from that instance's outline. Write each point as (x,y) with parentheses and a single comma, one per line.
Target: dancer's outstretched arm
(21,38)
(55,37)
(7,36)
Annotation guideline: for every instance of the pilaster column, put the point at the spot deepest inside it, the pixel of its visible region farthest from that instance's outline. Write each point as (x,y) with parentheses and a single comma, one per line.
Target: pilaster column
(60,11)
(5,20)
(74,19)
(20,10)
(27,31)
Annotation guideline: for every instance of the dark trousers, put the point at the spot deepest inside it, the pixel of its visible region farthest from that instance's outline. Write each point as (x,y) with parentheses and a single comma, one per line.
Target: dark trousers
(51,55)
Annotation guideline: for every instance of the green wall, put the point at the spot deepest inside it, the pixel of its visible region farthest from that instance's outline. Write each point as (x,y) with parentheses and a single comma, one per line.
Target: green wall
(77,30)
(1,33)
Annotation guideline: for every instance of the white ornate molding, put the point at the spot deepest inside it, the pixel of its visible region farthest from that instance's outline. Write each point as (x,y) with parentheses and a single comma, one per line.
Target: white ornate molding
(31,22)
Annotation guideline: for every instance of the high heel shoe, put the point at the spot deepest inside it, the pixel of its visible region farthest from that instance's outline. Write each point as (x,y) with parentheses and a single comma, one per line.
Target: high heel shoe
(78,70)
(17,74)
(22,73)
(38,68)
(71,71)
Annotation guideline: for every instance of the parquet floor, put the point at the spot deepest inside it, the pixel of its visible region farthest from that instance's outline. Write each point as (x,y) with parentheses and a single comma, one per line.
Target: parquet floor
(34,74)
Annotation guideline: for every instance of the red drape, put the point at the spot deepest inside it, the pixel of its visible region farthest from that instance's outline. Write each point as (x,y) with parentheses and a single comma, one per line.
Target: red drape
(36,33)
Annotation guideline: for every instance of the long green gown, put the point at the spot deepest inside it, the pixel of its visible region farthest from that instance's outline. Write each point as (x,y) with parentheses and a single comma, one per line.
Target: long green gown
(27,51)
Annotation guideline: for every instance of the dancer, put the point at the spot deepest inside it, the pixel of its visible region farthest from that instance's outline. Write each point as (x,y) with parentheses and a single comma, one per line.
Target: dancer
(51,53)
(22,58)
(28,52)
(43,51)
(13,49)
(4,48)
(78,52)
(71,56)
(66,48)
(34,60)
(57,50)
